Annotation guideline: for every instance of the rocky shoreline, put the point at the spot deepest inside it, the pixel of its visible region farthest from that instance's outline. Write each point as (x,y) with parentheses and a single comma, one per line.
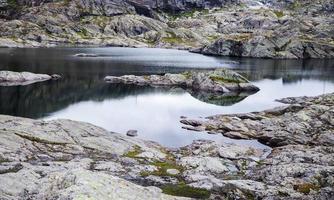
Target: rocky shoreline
(64,159)
(244,28)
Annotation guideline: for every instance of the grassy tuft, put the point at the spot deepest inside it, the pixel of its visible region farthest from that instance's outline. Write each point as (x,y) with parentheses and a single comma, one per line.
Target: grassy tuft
(133,153)
(306,188)
(184,190)
(279,13)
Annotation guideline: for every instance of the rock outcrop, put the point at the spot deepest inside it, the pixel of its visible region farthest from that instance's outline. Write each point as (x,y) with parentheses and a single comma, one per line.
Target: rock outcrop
(9,78)
(64,159)
(245,28)
(218,81)
(301,135)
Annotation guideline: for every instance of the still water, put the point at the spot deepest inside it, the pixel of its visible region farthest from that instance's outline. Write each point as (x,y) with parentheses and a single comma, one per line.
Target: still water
(155,112)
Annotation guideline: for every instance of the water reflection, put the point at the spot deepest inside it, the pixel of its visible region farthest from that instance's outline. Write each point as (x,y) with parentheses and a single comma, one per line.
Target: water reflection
(154,112)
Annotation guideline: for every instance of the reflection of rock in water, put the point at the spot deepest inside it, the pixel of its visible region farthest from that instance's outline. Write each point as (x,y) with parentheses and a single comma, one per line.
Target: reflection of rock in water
(226,99)
(40,99)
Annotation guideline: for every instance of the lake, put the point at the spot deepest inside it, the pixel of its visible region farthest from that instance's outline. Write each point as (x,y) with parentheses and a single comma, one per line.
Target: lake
(155,112)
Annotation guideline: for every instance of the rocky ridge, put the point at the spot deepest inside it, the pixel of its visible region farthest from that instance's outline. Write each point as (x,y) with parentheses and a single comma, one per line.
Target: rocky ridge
(64,159)
(245,28)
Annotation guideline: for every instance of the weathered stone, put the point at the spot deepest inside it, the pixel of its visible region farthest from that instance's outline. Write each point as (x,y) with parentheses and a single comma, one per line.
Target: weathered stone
(132,133)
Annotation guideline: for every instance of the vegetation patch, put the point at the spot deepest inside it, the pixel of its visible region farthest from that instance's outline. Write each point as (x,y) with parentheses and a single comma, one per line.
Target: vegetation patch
(134,153)
(187,74)
(38,140)
(184,190)
(172,40)
(83,33)
(306,188)
(279,13)
(221,79)
(162,168)
(12,4)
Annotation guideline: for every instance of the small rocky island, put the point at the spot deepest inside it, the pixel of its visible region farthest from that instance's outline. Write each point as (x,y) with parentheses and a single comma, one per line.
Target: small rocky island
(217,81)
(9,78)
(65,159)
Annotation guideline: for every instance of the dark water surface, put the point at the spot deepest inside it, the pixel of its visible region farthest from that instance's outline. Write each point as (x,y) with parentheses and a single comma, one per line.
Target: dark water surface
(154,112)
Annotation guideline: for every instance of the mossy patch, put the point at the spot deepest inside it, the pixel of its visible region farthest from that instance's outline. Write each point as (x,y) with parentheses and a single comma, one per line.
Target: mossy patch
(306,188)
(134,153)
(187,74)
(279,13)
(83,33)
(38,140)
(184,190)
(221,79)
(162,168)
(172,40)
(12,4)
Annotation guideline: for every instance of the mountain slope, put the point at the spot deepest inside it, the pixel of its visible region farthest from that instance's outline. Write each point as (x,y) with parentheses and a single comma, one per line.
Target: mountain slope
(245,28)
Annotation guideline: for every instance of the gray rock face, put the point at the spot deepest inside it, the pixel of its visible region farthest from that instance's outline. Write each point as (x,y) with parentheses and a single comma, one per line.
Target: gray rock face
(218,81)
(8,78)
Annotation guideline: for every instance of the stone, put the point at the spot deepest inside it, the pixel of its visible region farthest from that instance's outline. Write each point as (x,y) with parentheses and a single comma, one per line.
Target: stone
(9,78)
(85,55)
(55,77)
(132,133)
(173,171)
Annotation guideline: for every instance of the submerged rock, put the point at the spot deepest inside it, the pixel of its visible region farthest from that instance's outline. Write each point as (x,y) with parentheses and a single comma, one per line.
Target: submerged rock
(85,55)
(9,78)
(218,81)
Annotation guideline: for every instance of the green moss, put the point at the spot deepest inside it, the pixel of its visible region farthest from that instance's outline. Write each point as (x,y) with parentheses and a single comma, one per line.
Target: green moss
(306,188)
(3,160)
(279,13)
(187,74)
(12,4)
(83,33)
(224,79)
(213,38)
(295,5)
(260,163)
(67,2)
(162,168)
(172,40)
(133,153)
(184,190)
(39,140)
